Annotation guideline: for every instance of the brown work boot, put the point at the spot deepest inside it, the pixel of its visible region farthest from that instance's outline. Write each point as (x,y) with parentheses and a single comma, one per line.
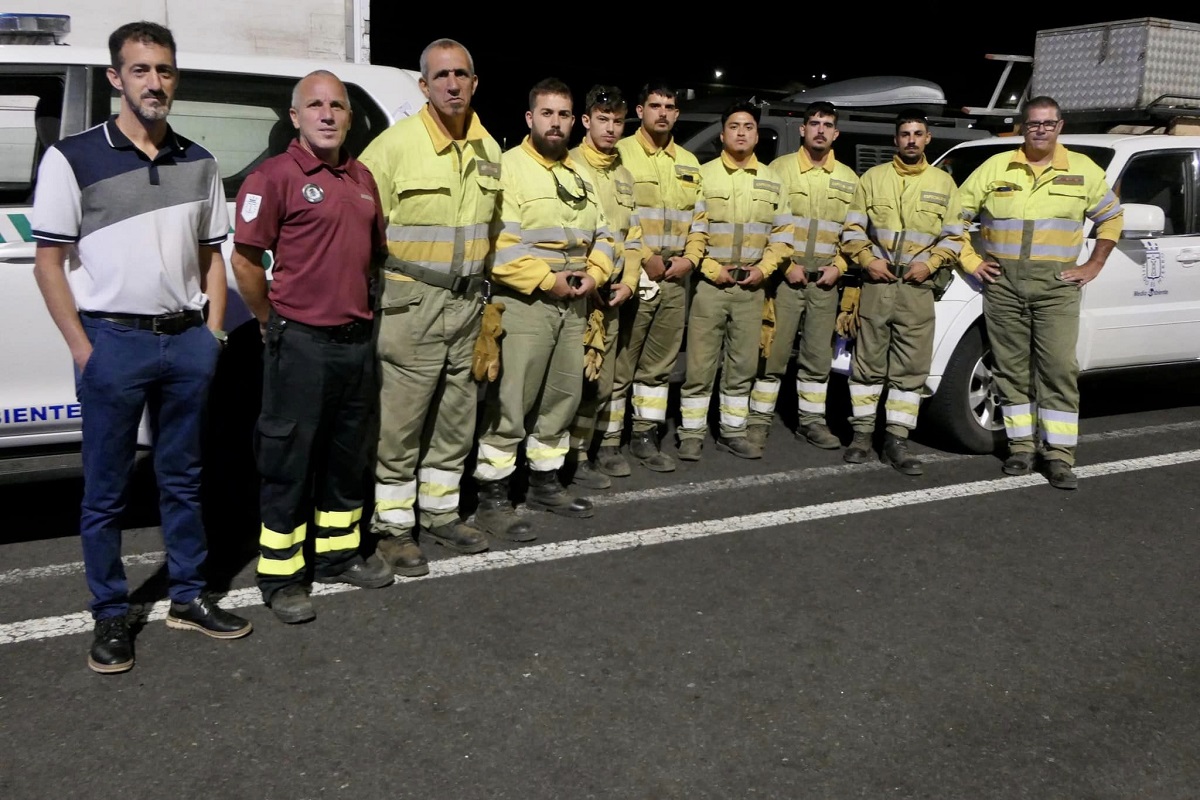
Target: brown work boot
(819,435)
(689,449)
(859,451)
(497,516)
(401,553)
(739,446)
(587,476)
(644,447)
(757,435)
(457,536)
(895,452)
(610,461)
(547,494)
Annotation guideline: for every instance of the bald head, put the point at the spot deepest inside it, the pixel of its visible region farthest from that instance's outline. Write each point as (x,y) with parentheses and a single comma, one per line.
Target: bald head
(325,74)
(321,113)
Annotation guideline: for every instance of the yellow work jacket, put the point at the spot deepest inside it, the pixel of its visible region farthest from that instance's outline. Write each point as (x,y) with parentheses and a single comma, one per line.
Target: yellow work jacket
(745,221)
(550,221)
(818,198)
(614,187)
(666,188)
(1024,215)
(439,196)
(904,214)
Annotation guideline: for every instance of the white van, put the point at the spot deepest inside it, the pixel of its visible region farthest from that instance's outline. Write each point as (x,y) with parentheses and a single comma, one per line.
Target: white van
(235,106)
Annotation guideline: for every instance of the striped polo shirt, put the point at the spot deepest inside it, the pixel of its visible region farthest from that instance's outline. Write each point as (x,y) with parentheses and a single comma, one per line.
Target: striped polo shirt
(137,223)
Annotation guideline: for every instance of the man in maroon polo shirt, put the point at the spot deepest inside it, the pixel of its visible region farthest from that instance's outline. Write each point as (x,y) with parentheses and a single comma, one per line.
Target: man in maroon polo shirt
(317,209)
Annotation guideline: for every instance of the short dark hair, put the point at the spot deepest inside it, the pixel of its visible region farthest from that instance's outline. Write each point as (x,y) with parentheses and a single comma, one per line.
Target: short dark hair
(656,87)
(739,106)
(911,115)
(549,86)
(604,98)
(144,32)
(1041,101)
(823,108)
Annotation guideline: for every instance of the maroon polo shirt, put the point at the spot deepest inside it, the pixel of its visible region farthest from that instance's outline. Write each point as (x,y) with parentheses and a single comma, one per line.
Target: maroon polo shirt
(322,224)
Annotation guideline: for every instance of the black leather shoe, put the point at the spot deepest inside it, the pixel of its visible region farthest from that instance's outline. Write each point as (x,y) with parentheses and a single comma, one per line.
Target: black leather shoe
(292,605)
(458,536)
(369,573)
(202,614)
(112,648)
(403,555)
(1018,464)
(1060,474)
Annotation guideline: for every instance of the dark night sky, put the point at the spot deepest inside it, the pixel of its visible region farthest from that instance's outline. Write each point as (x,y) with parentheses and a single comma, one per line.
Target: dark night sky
(511,55)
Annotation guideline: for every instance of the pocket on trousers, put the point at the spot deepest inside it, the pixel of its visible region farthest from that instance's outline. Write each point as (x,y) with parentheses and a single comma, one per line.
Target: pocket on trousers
(273,444)
(399,295)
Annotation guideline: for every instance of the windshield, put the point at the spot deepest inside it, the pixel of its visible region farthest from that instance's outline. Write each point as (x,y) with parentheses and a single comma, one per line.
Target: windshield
(962,162)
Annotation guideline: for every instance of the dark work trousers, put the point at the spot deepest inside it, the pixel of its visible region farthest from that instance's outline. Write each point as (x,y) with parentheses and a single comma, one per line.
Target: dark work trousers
(168,375)
(311,447)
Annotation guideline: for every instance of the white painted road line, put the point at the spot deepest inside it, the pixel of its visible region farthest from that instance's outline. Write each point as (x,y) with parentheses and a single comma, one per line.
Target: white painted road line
(67,624)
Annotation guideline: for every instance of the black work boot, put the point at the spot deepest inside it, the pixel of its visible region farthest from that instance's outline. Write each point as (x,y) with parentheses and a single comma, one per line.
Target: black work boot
(112,648)
(402,554)
(1060,474)
(895,452)
(610,461)
(859,451)
(457,536)
(292,605)
(739,446)
(818,435)
(644,447)
(589,477)
(547,494)
(497,516)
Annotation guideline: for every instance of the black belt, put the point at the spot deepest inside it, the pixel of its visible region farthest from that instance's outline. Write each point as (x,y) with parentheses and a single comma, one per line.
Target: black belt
(354,332)
(168,324)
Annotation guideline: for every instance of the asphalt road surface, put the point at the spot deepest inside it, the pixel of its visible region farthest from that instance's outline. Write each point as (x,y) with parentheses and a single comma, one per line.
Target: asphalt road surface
(793,627)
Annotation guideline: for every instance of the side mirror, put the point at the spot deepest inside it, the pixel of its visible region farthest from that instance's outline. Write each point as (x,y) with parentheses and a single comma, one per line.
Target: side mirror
(1142,221)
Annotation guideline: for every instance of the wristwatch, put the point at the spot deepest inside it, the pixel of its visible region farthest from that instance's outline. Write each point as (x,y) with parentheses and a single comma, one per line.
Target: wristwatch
(221,336)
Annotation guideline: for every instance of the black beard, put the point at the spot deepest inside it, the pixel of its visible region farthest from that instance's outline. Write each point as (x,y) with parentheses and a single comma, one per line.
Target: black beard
(548,149)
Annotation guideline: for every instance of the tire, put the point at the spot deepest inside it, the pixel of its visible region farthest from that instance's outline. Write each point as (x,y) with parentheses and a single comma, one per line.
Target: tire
(965,411)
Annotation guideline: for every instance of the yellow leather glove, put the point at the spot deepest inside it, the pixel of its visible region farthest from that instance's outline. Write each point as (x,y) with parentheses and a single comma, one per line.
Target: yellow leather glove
(485,365)
(847,319)
(767,336)
(594,345)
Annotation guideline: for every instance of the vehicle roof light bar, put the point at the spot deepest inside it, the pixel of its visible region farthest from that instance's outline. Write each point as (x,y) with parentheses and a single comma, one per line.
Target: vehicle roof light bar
(34,28)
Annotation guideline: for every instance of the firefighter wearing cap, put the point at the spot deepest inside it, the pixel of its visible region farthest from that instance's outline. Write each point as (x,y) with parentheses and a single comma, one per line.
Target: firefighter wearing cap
(666,188)
(747,233)
(904,224)
(552,250)
(819,191)
(598,159)
(1032,204)
(439,177)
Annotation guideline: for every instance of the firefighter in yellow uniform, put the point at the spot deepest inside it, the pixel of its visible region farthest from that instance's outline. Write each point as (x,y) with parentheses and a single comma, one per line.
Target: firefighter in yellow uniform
(438,173)
(1032,204)
(666,188)
(903,225)
(747,234)
(819,191)
(598,159)
(553,249)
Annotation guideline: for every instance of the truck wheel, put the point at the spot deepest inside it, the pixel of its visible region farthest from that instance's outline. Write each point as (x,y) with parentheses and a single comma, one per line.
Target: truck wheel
(966,408)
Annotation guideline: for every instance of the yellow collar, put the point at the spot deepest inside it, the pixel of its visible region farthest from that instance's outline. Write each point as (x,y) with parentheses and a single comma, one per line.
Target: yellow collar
(475,129)
(1060,160)
(648,144)
(909,169)
(751,165)
(527,146)
(598,160)
(806,162)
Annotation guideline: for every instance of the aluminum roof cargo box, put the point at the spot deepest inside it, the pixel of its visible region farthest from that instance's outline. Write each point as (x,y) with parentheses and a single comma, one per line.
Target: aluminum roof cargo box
(1129,64)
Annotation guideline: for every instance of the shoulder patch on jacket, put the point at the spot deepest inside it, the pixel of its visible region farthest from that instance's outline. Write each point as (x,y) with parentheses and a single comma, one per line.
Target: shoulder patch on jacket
(489,169)
(1068,180)
(935,197)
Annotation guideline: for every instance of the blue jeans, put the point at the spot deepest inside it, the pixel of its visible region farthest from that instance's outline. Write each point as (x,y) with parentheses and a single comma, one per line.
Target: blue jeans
(170,374)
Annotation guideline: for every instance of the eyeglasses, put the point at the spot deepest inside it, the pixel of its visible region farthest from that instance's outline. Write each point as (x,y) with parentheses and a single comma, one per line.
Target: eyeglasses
(1041,125)
(565,195)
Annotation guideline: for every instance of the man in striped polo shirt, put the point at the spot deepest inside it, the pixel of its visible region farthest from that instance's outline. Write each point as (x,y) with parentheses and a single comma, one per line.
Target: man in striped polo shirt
(141,212)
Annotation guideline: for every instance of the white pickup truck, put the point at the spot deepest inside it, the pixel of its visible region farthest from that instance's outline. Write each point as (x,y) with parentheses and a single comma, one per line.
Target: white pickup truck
(1142,310)
(236,106)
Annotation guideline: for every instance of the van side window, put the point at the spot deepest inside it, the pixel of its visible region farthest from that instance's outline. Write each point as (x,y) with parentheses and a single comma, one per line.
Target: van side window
(1162,179)
(243,119)
(30,121)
